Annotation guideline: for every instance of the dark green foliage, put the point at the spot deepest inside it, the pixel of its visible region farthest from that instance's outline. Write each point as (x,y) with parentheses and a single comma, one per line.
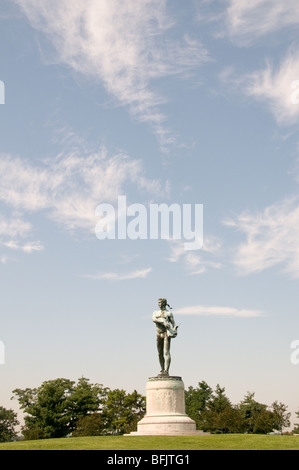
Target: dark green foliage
(197,400)
(122,411)
(8,421)
(213,412)
(296,428)
(280,416)
(89,425)
(53,409)
(61,407)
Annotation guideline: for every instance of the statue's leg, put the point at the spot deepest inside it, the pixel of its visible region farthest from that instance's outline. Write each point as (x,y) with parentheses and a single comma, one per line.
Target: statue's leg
(167,353)
(160,352)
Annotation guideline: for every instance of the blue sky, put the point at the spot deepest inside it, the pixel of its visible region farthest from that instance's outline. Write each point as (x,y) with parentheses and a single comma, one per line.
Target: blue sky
(163,103)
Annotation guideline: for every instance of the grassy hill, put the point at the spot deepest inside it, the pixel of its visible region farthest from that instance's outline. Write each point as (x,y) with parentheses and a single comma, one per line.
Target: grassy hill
(206,442)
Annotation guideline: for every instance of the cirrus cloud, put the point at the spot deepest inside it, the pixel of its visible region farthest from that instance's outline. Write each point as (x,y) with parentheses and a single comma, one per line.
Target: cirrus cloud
(124,45)
(117,276)
(213,310)
(272,238)
(68,187)
(66,190)
(275,86)
(247,21)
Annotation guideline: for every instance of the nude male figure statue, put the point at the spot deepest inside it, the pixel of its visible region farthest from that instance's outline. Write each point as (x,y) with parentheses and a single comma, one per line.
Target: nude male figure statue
(165,329)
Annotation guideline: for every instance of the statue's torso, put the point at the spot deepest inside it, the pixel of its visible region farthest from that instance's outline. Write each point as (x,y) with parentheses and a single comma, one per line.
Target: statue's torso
(162,314)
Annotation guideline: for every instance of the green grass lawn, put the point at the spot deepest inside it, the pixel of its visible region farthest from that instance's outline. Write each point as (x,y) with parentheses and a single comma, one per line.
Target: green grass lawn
(207,442)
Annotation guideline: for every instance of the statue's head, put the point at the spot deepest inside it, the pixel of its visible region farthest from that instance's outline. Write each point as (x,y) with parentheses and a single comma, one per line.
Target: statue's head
(162,303)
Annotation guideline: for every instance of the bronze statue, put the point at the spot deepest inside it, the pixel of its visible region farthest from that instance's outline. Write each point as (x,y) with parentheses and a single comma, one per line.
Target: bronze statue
(166,329)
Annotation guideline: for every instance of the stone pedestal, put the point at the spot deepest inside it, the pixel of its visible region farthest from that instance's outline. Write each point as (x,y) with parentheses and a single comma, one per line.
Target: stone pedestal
(165,409)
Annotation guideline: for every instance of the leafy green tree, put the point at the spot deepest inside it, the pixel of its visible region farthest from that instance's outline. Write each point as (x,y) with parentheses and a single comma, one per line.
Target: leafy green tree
(219,401)
(225,420)
(85,399)
(90,425)
(296,428)
(250,409)
(121,411)
(212,411)
(230,420)
(8,421)
(220,416)
(263,422)
(257,417)
(280,415)
(196,400)
(53,409)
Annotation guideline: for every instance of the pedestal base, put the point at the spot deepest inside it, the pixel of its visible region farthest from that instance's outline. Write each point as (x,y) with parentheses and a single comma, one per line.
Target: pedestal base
(165,409)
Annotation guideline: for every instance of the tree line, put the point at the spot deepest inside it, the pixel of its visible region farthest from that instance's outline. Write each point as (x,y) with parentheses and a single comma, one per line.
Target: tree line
(213,412)
(62,407)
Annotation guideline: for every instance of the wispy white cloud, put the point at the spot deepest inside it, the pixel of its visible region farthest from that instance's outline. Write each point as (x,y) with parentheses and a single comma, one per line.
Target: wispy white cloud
(273,86)
(14,226)
(65,189)
(28,247)
(193,261)
(125,45)
(247,21)
(14,234)
(117,276)
(68,189)
(212,310)
(272,238)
